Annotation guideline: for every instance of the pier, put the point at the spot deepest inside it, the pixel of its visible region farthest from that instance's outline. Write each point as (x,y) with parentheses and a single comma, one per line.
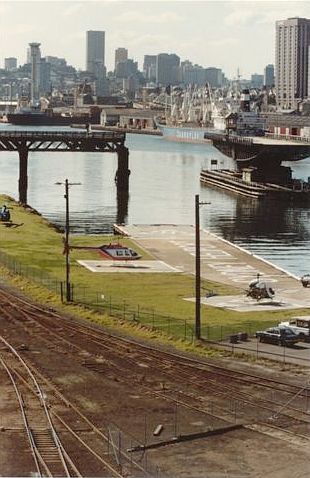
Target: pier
(232,181)
(264,156)
(24,142)
(260,151)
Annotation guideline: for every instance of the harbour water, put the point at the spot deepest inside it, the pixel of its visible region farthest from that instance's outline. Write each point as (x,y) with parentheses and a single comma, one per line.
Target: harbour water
(163,182)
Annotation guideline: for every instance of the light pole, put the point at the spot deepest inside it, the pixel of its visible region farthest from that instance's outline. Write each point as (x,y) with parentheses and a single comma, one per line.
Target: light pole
(197,268)
(66,241)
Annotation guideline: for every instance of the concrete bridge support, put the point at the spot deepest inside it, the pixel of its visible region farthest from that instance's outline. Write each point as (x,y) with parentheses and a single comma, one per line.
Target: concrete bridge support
(23,175)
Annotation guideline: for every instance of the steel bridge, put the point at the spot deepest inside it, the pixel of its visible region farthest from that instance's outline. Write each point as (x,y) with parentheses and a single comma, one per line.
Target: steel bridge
(62,142)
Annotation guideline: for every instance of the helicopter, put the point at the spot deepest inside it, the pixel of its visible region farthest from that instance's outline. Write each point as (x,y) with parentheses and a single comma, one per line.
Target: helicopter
(259,289)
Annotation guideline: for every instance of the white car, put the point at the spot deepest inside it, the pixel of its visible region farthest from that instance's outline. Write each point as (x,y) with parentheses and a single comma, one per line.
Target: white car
(300,325)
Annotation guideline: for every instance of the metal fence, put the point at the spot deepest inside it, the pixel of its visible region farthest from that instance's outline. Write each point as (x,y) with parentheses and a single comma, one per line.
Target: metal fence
(121,446)
(32,273)
(150,318)
(175,327)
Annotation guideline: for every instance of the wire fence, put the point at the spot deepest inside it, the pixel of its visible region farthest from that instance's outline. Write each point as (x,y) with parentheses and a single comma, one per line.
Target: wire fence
(34,274)
(150,318)
(122,448)
(235,338)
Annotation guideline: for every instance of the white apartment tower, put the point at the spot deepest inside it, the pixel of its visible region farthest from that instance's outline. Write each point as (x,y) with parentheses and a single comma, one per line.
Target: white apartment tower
(35,60)
(292,62)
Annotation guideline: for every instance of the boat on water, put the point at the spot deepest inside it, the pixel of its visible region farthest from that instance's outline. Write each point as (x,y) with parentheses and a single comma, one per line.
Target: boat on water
(195,112)
(36,117)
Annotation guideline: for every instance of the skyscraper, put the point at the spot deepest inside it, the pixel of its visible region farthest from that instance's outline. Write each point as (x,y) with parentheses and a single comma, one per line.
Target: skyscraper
(121,54)
(269,75)
(95,49)
(10,64)
(149,67)
(292,61)
(167,69)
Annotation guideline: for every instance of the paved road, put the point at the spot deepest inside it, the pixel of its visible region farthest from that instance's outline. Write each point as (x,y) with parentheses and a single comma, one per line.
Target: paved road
(298,354)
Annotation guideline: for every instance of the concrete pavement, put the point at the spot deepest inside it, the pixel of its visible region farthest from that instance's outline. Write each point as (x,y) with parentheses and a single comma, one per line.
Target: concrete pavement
(221,262)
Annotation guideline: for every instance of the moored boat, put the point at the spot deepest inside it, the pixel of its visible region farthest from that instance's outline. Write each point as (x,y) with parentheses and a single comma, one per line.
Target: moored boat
(35,117)
(194,113)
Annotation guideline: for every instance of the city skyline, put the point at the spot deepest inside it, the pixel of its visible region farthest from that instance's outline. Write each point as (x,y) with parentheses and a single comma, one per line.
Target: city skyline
(223,34)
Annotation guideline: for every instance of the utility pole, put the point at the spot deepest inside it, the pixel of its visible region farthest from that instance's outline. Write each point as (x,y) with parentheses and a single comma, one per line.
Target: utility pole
(197,268)
(197,275)
(66,241)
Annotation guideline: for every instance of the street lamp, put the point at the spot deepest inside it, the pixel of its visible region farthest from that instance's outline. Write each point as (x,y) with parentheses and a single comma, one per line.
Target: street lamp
(197,274)
(66,241)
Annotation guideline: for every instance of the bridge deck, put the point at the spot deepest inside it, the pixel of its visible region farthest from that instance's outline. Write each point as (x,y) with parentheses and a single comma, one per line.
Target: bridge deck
(106,135)
(267,140)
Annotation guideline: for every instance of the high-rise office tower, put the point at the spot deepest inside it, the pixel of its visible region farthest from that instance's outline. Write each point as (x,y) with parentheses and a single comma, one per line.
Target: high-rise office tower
(35,60)
(214,77)
(257,80)
(269,75)
(149,67)
(292,61)
(95,46)
(95,58)
(10,64)
(121,54)
(167,69)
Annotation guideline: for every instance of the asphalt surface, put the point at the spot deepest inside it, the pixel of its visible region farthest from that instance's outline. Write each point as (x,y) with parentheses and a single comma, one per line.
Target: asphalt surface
(226,263)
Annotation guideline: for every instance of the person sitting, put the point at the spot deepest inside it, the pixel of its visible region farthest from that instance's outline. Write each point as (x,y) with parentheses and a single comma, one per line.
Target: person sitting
(5,213)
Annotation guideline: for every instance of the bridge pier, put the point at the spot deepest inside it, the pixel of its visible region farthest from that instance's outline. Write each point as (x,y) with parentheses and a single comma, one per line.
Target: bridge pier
(23,175)
(123,172)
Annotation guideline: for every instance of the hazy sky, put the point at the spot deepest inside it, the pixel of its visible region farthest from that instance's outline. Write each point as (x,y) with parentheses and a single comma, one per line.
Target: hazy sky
(226,34)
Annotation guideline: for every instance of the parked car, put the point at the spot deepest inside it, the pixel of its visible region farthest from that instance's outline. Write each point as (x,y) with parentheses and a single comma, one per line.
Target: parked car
(300,325)
(278,335)
(305,280)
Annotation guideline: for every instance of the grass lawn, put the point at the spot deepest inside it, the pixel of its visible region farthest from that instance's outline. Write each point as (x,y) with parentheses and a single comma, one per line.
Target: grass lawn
(39,246)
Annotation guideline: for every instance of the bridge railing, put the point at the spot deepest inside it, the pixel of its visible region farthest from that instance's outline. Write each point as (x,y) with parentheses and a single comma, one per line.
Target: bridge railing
(288,137)
(106,135)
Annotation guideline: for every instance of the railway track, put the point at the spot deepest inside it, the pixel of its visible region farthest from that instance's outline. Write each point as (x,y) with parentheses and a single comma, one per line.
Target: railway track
(49,455)
(207,378)
(108,340)
(43,439)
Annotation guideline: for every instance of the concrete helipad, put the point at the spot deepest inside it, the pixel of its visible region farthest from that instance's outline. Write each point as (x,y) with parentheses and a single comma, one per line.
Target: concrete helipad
(221,262)
(128,266)
(241,303)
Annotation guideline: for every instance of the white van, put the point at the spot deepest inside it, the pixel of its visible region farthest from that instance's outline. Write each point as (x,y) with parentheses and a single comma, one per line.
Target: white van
(300,325)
